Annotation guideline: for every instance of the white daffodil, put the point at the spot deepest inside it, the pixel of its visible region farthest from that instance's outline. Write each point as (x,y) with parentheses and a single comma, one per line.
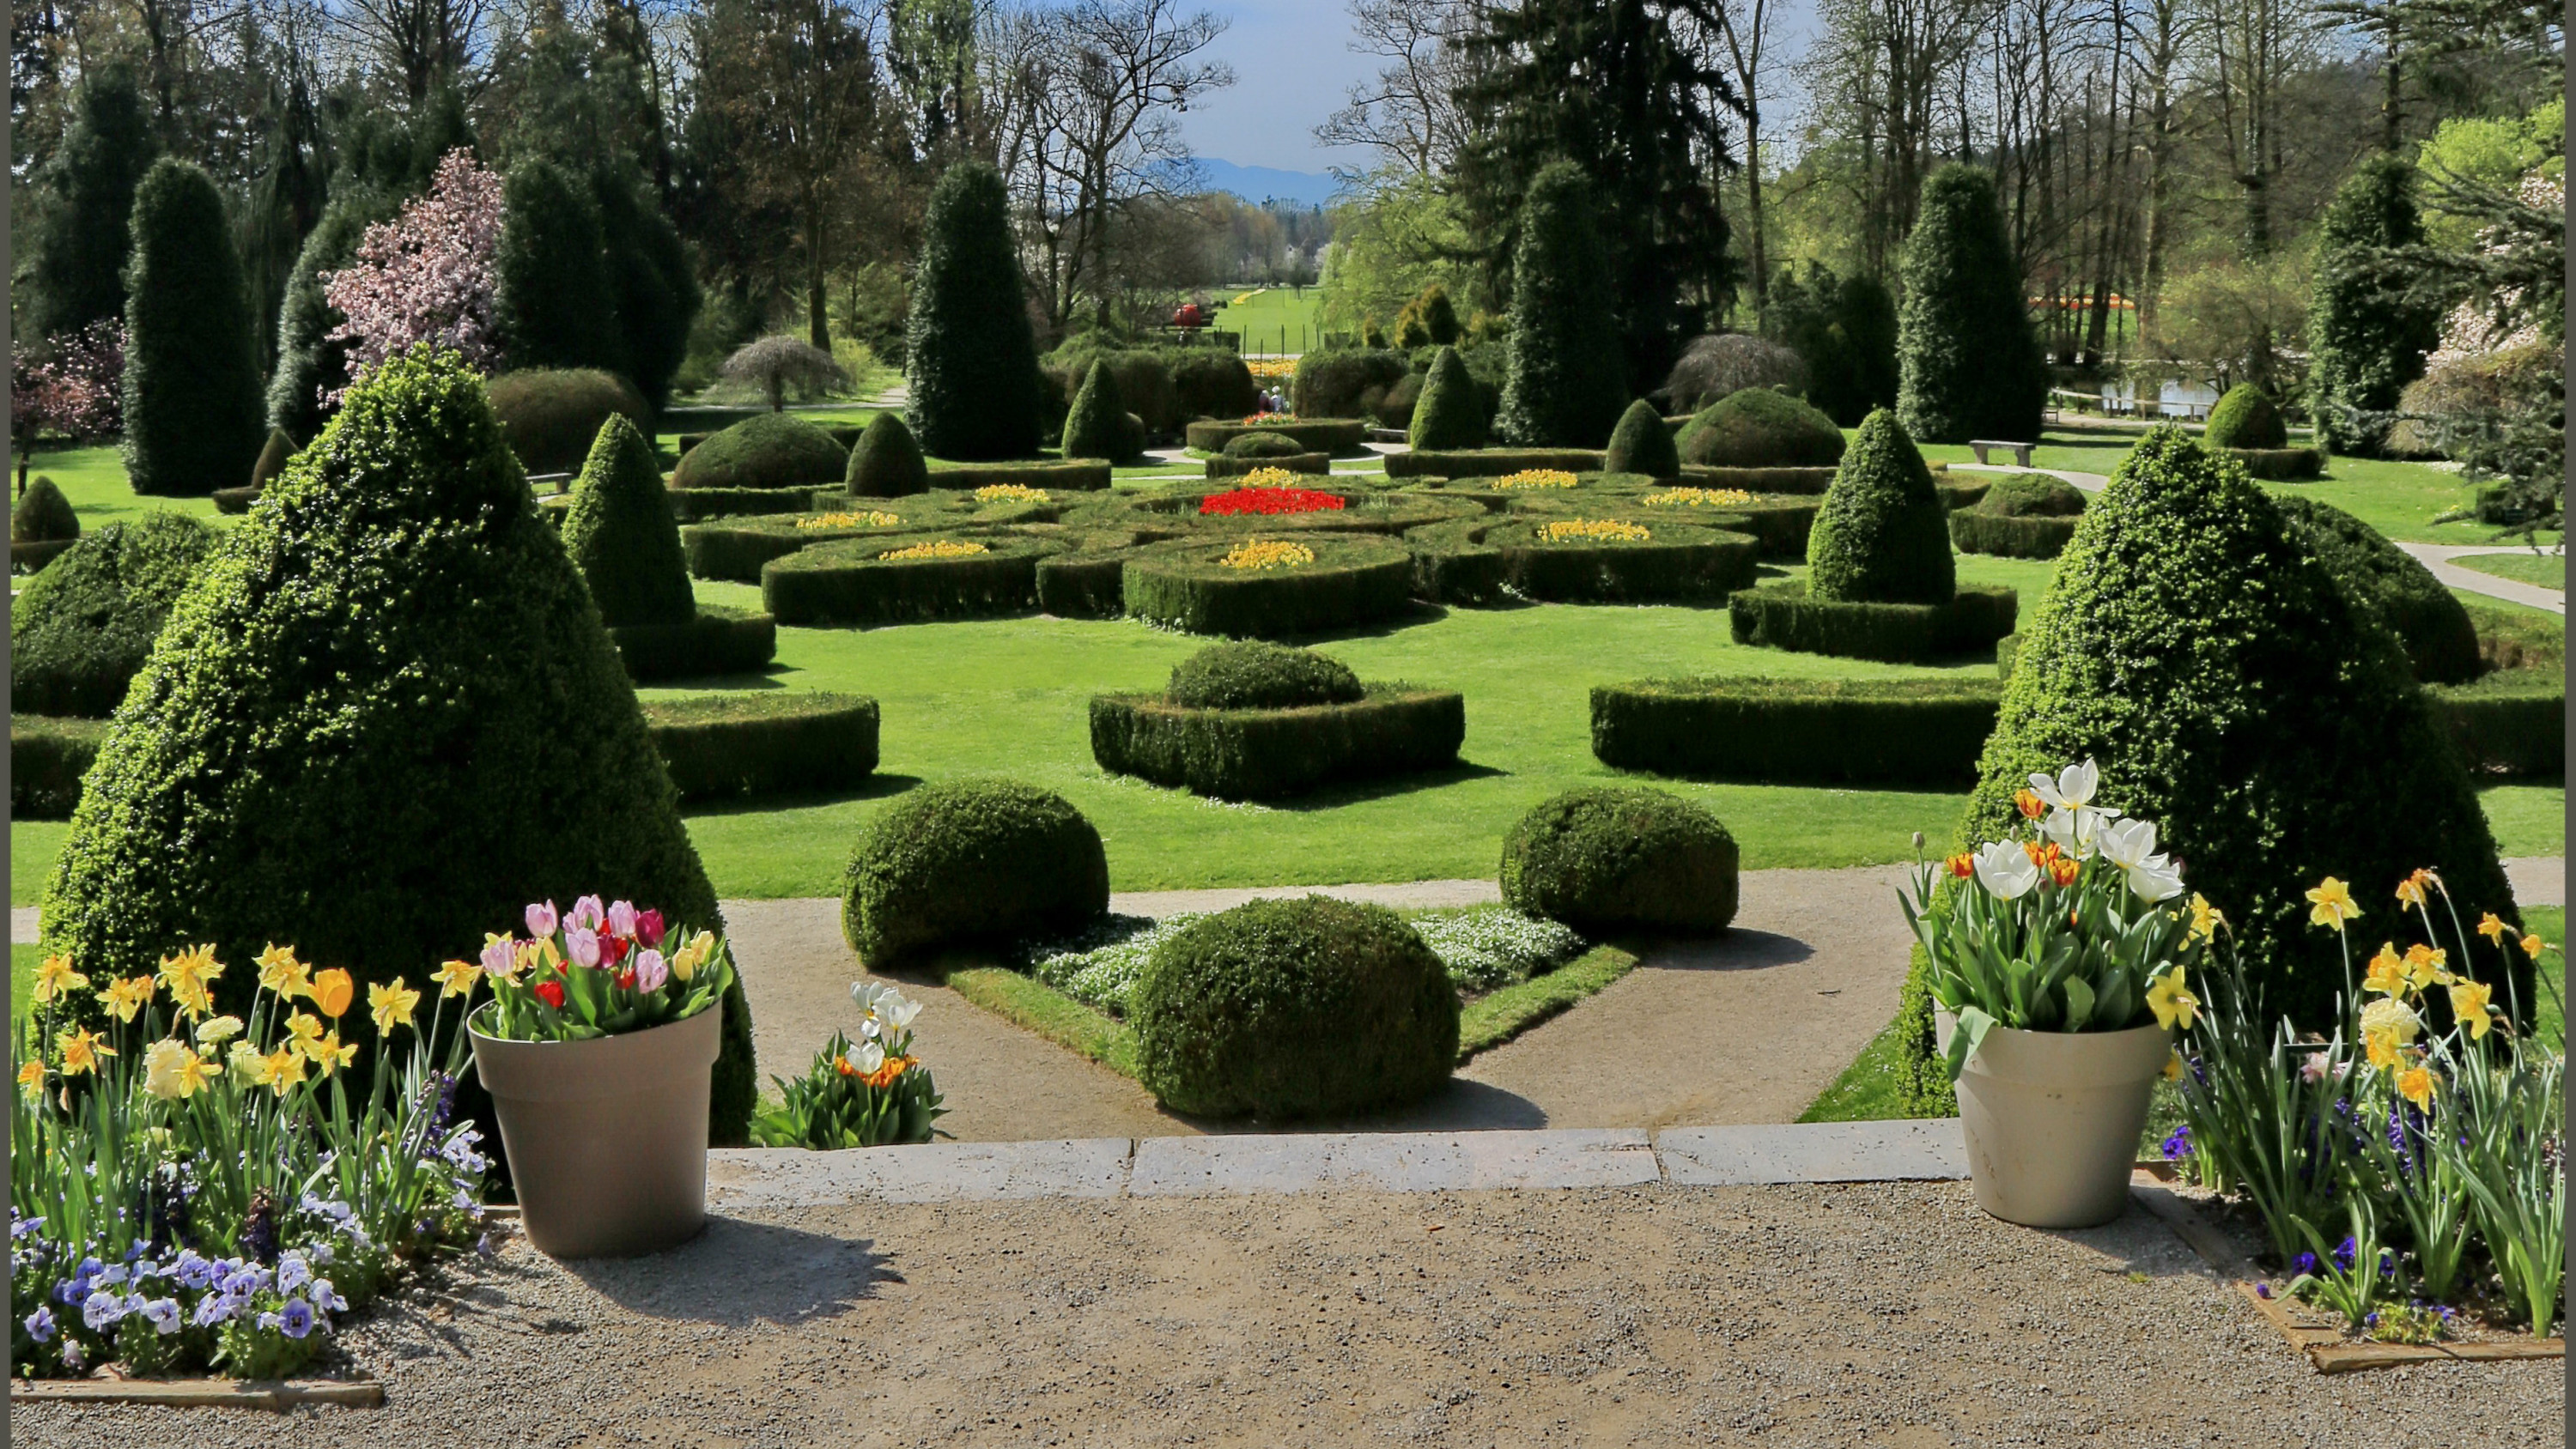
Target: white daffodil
(2006,870)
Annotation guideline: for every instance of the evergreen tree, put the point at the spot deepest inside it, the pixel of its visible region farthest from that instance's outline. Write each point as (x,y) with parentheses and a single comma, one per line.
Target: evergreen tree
(968,356)
(1450,413)
(310,364)
(87,205)
(1567,383)
(2367,333)
(1642,444)
(622,535)
(1095,426)
(1969,366)
(1882,535)
(192,394)
(553,304)
(653,288)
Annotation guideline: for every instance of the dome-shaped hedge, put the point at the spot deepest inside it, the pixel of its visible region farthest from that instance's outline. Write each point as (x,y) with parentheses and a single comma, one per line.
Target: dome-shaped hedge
(1760,428)
(2031,495)
(887,463)
(622,536)
(1292,1009)
(1882,535)
(1252,674)
(1604,859)
(1642,444)
(2432,625)
(551,417)
(1262,444)
(43,515)
(2245,418)
(971,860)
(773,450)
(84,625)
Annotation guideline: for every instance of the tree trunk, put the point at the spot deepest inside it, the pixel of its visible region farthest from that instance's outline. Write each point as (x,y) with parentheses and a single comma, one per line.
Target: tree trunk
(1753,217)
(818,320)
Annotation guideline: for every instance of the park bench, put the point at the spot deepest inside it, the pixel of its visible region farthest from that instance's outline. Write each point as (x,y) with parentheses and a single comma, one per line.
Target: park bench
(2020,451)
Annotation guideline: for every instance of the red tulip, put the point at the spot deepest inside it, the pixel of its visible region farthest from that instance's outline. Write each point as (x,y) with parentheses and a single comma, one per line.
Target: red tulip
(550,992)
(648,928)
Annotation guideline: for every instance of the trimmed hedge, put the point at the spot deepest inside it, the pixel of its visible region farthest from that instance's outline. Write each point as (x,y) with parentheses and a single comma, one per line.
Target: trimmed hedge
(970,362)
(1785,616)
(1490,462)
(1811,481)
(48,755)
(773,450)
(1334,383)
(1227,465)
(1642,444)
(2513,722)
(1096,426)
(1088,583)
(1680,563)
(1290,1009)
(736,550)
(731,745)
(1251,674)
(1074,475)
(1881,536)
(1756,427)
(83,627)
(1274,753)
(1606,859)
(2432,626)
(851,583)
(43,515)
(1336,436)
(2281,465)
(1354,580)
(718,640)
(2245,418)
(887,462)
(551,417)
(1266,443)
(694,504)
(194,413)
(1923,732)
(2010,536)
(32,557)
(978,859)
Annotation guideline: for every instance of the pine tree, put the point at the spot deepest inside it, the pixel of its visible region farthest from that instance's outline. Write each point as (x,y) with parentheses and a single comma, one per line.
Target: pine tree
(622,535)
(87,190)
(2367,333)
(1882,535)
(1969,364)
(1450,413)
(553,304)
(1567,383)
(970,361)
(192,394)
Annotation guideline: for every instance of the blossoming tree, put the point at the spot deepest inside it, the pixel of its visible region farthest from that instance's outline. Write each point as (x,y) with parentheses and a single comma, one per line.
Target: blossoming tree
(426,276)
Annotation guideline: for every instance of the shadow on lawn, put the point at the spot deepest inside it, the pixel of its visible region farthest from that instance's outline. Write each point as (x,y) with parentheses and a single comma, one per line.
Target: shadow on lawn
(1382,787)
(737,1273)
(875,787)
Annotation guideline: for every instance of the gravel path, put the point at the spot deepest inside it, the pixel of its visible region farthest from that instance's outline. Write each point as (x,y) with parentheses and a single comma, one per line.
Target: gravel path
(2438,556)
(1881,1314)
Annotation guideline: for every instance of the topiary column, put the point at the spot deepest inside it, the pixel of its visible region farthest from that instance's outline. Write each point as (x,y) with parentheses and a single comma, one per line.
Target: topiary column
(84,231)
(1096,425)
(969,361)
(622,536)
(1968,364)
(2367,334)
(383,719)
(1450,413)
(1568,378)
(1882,535)
(887,463)
(192,389)
(1642,444)
(551,298)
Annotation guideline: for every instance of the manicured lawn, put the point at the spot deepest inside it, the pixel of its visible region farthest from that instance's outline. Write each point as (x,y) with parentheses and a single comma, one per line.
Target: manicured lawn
(2528,819)
(1266,311)
(94,480)
(2548,570)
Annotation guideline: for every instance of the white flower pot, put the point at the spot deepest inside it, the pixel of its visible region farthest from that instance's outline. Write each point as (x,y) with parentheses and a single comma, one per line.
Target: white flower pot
(2052,1120)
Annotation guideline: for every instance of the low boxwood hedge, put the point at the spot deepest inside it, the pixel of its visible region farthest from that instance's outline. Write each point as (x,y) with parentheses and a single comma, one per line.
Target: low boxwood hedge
(974,859)
(1471,561)
(1294,1009)
(696,504)
(1490,462)
(1086,581)
(736,549)
(719,640)
(1223,466)
(1798,731)
(1074,475)
(235,501)
(48,754)
(1270,754)
(1353,579)
(1785,616)
(767,743)
(1263,443)
(1760,480)
(853,583)
(1337,436)
(2512,722)
(2281,465)
(2034,535)
(1606,860)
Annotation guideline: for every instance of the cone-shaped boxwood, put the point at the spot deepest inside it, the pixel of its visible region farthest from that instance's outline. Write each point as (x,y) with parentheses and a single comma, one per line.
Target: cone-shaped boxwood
(977,859)
(272,458)
(2432,625)
(621,535)
(1756,427)
(383,719)
(1642,444)
(43,515)
(1604,860)
(773,450)
(1096,425)
(887,463)
(1294,1009)
(193,410)
(1568,378)
(2233,693)
(1882,536)
(2245,418)
(1968,366)
(969,359)
(84,625)
(1252,674)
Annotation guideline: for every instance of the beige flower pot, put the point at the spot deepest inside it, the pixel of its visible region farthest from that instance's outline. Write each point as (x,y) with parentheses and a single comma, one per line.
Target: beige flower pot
(607,1138)
(2052,1120)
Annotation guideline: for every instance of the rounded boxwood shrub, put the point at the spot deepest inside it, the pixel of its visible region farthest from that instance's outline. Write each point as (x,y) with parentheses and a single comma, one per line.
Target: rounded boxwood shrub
(1252,674)
(887,463)
(1293,1009)
(2432,626)
(43,515)
(621,535)
(978,859)
(2031,495)
(1882,535)
(1263,444)
(1642,444)
(773,450)
(1451,411)
(1608,859)
(2245,418)
(551,417)
(383,719)
(1759,428)
(85,625)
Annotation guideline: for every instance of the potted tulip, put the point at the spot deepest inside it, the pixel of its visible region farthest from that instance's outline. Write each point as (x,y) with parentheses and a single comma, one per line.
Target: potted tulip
(2058,960)
(597,1047)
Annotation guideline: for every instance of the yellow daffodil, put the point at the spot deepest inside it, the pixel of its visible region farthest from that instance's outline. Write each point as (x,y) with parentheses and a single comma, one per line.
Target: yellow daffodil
(249,1065)
(55,976)
(280,974)
(171,1071)
(80,1051)
(333,992)
(2415,1084)
(2381,1049)
(2387,972)
(187,973)
(2172,1002)
(2205,918)
(215,1031)
(2334,904)
(392,1005)
(2424,966)
(2490,927)
(2469,1007)
(2412,890)
(303,1029)
(2393,1017)
(2173,1066)
(285,1071)
(457,978)
(331,1054)
(31,1075)
(2532,946)
(125,998)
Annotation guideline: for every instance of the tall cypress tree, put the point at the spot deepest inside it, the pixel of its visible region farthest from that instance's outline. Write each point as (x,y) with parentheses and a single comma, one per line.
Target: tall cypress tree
(192,392)
(552,299)
(1969,366)
(969,359)
(83,235)
(2367,335)
(1567,383)
(309,363)
(655,291)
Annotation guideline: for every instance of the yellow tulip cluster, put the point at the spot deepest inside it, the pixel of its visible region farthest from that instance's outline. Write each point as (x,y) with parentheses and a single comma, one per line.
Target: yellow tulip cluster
(1268,554)
(872,518)
(1535,478)
(942,548)
(1010,493)
(1593,530)
(1267,478)
(1270,369)
(1699,498)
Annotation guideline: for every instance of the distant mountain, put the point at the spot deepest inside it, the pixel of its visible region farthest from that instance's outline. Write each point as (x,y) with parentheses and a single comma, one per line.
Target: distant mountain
(1265,183)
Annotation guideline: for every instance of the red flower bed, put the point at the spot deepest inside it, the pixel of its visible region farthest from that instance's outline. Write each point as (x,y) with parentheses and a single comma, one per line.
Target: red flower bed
(1270,500)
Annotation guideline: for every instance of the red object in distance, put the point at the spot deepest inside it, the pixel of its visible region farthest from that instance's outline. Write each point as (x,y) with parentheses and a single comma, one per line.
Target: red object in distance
(1270,500)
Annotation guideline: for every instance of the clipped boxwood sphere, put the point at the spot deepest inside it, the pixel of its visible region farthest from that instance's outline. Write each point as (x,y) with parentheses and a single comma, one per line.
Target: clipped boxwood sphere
(551,416)
(1263,445)
(887,463)
(774,450)
(1287,1009)
(1251,674)
(86,624)
(2245,418)
(44,515)
(1759,428)
(2025,495)
(1608,859)
(975,859)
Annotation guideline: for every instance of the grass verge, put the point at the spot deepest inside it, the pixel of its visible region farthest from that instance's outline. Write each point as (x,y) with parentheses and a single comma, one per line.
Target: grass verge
(1498,1016)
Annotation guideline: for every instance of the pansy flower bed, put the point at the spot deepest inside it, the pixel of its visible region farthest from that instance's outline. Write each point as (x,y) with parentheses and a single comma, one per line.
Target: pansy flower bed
(1267,554)
(1269,500)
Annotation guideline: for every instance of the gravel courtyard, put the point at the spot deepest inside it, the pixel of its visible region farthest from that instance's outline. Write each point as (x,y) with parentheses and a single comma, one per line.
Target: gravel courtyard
(1884,1314)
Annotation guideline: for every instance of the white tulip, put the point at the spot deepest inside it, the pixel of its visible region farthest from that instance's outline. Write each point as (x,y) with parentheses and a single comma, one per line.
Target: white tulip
(2072,789)
(2155,879)
(2073,830)
(897,1010)
(2127,843)
(2006,870)
(870,1058)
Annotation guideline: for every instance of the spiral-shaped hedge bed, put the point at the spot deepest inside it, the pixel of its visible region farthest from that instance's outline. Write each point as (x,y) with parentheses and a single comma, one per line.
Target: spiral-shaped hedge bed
(857,583)
(1341,581)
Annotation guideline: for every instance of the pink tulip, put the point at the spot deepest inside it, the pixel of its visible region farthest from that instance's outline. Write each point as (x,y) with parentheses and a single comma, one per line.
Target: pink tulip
(500,955)
(582,945)
(541,920)
(650,970)
(648,927)
(621,919)
(588,913)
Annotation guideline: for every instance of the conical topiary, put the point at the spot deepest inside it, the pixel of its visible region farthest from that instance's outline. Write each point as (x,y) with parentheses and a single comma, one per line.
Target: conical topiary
(193,408)
(1882,535)
(1642,444)
(622,536)
(887,463)
(43,515)
(383,719)
(85,624)
(272,458)
(1569,375)
(2234,694)
(2245,418)
(1096,425)
(969,361)
(1968,364)
(1449,414)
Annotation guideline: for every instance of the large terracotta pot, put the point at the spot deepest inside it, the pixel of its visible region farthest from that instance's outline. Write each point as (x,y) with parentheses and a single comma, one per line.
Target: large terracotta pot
(2052,1120)
(607,1138)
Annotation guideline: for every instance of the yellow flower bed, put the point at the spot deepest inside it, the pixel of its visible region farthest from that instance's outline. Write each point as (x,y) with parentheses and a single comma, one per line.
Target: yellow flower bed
(1268,554)
(1700,497)
(1578,530)
(870,519)
(1267,478)
(1536,478)
(941,548)
(1014,492)
(1271,369)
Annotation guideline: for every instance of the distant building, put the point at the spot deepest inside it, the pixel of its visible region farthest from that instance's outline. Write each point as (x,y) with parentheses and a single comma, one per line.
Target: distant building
(2174,398)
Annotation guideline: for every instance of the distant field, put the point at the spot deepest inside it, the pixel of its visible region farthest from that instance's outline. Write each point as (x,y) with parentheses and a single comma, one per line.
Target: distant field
(1273,319)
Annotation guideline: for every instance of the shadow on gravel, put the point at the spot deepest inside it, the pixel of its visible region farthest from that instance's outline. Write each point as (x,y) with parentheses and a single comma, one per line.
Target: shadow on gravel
(1737,950)
(737,1273)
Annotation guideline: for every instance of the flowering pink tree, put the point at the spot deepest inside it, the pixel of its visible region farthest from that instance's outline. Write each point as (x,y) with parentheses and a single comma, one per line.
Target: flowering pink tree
(73,387)
(425,276)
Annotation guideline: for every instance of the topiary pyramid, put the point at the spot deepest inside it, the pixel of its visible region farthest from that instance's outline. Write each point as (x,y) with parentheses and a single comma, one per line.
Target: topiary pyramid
(85,624)
(621,533)
(193,405)
(2245,418)
(887,463)
(1096,425)
(1882,535)
(1756,427)
(1642,444)
(1450,413)
(1568,371)
(272,459)
(43,515)
(383,719)
(969,360)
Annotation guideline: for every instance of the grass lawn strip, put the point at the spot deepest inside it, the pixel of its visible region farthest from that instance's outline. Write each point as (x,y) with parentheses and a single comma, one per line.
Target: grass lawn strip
(2546,570)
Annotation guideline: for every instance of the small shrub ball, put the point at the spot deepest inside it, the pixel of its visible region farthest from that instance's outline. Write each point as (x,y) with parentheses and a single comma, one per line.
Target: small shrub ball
(971,860)
(1606,860)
